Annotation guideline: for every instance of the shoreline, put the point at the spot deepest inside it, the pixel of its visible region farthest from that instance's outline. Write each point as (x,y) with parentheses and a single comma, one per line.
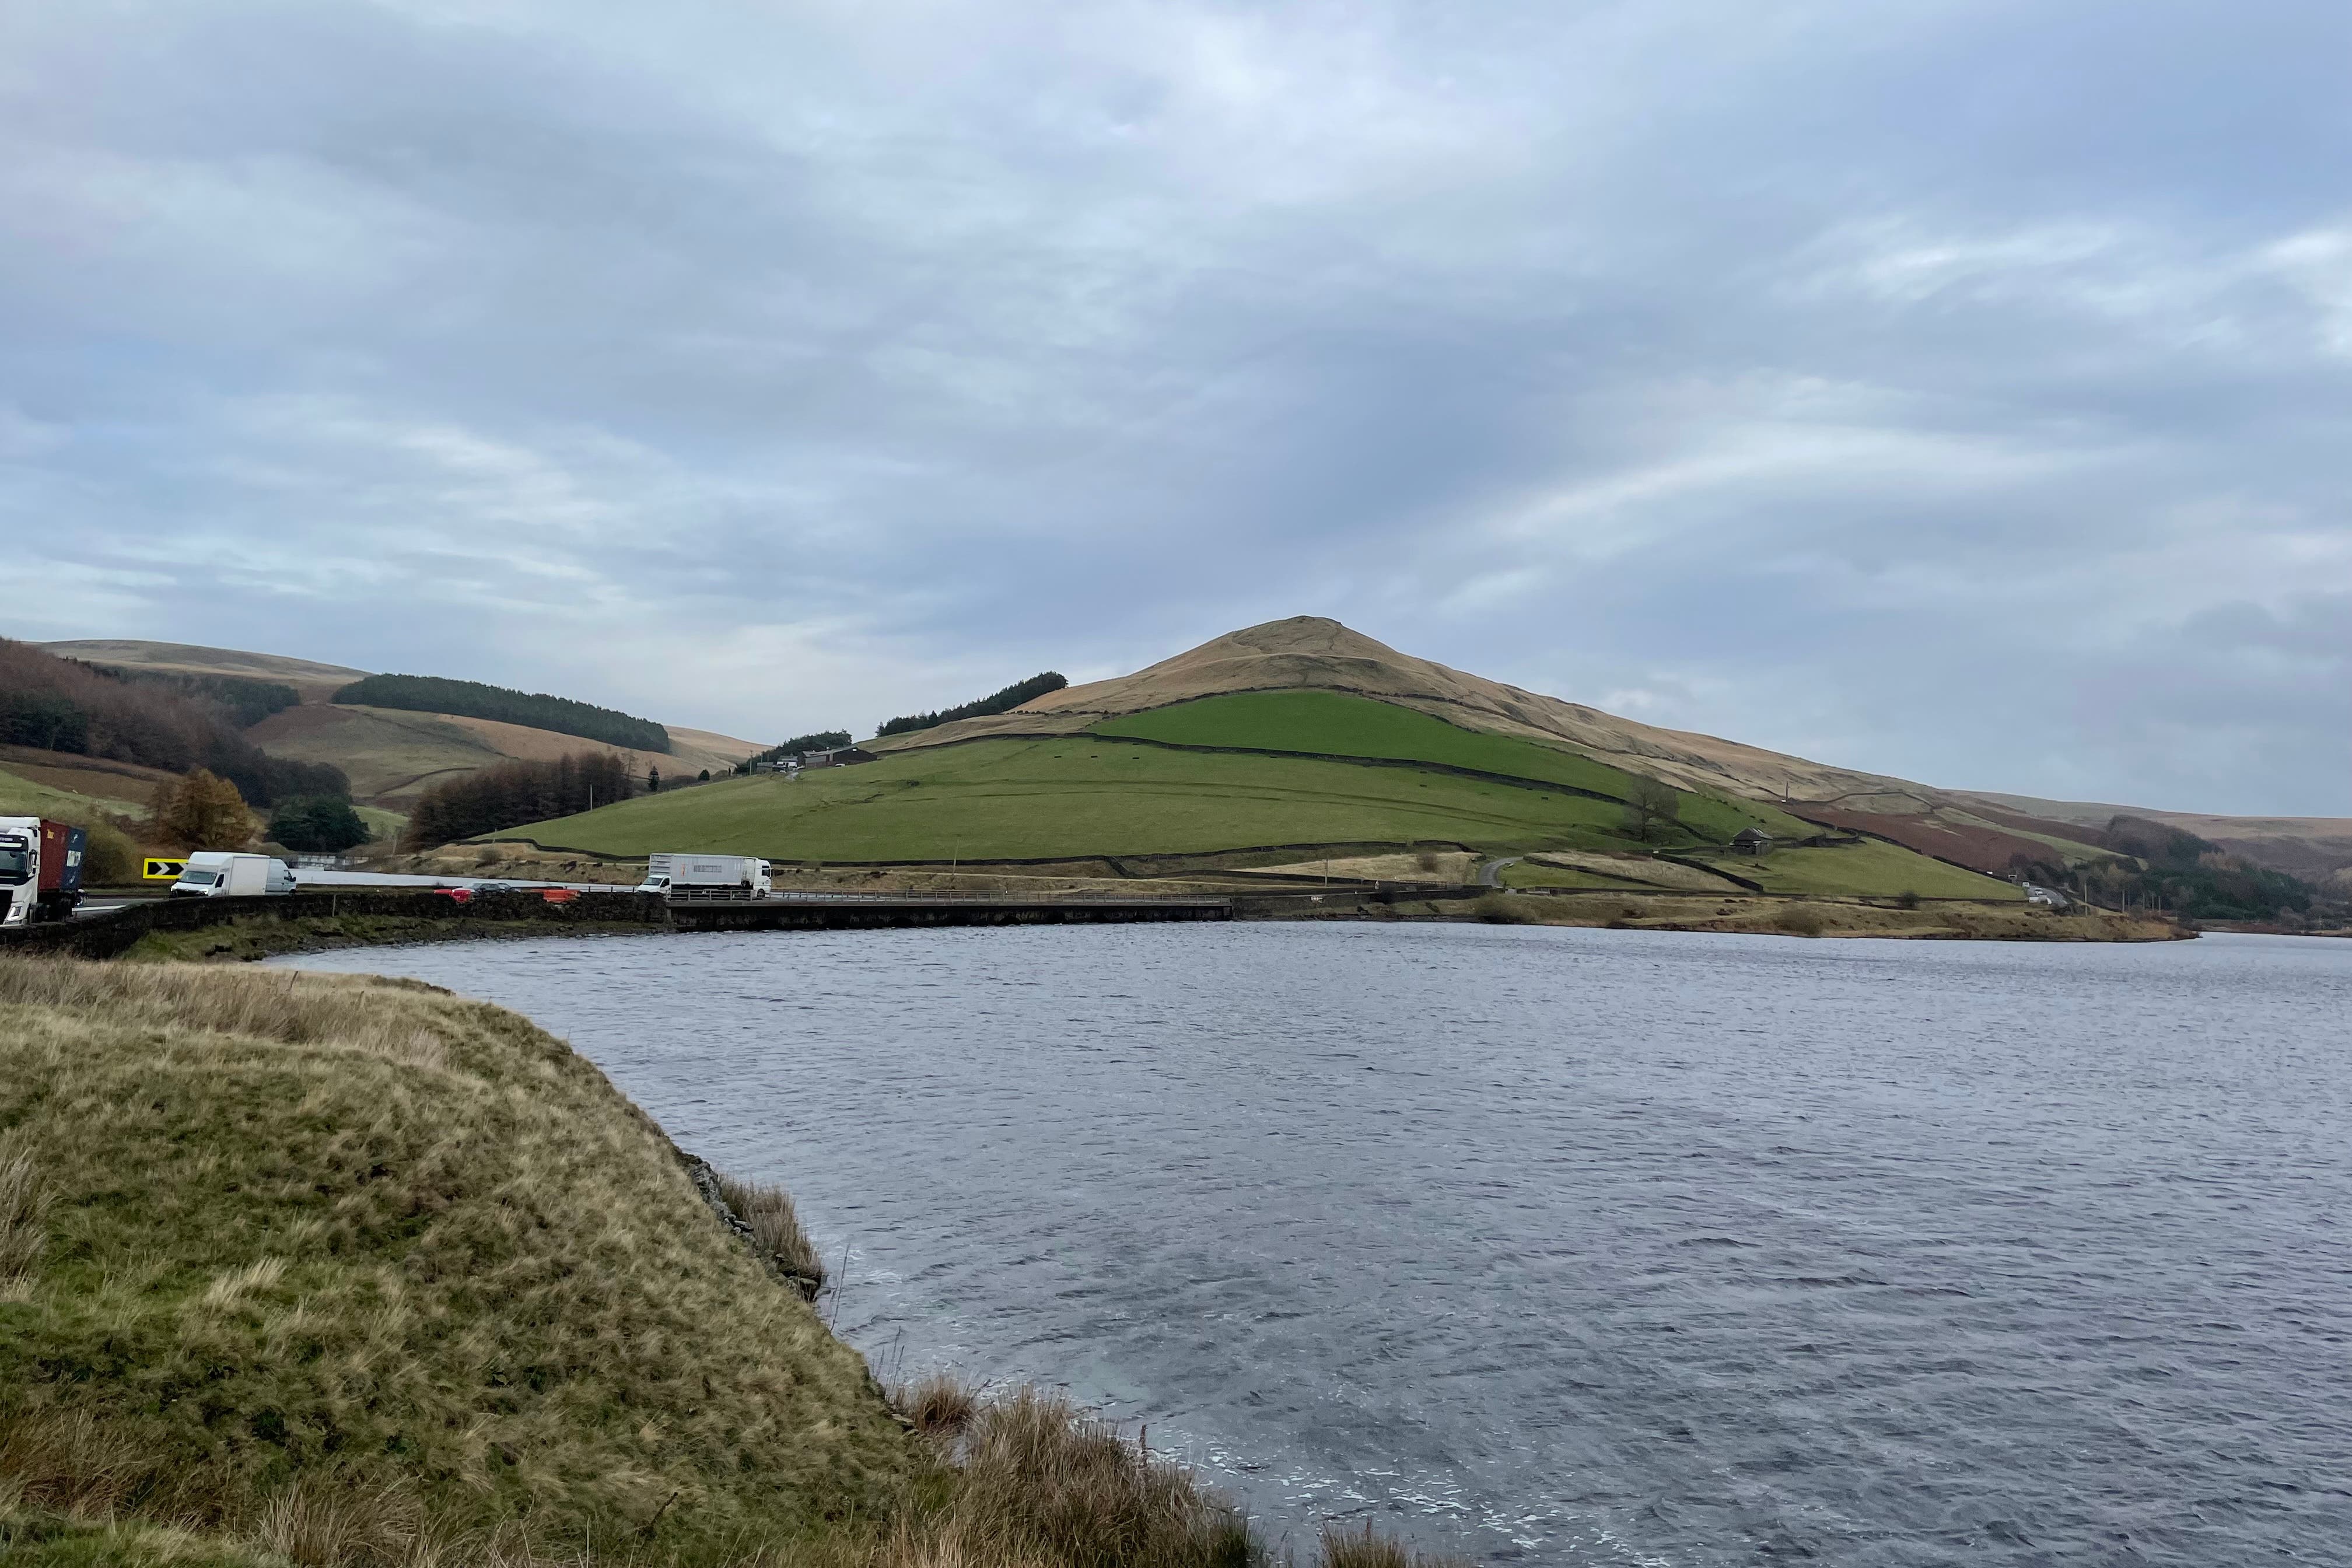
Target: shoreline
(1943,921)
(248,930)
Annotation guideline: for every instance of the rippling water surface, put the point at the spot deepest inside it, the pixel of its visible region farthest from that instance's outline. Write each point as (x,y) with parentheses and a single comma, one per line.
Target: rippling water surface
(1568,1245)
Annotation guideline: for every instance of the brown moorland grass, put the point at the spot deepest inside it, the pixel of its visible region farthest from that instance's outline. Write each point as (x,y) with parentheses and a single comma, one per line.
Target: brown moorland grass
(321,1271)
(1044,1483)
(776,1231)
(357,1269)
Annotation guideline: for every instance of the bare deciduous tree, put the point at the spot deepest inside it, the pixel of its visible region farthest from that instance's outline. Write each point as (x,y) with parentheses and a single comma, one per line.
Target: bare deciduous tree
(1651,807)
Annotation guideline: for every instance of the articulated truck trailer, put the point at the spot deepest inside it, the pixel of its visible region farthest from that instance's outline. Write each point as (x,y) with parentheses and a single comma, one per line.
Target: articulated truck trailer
(40,869)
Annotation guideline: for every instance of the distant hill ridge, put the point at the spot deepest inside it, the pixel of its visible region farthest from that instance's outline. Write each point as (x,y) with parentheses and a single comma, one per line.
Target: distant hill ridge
(390,753)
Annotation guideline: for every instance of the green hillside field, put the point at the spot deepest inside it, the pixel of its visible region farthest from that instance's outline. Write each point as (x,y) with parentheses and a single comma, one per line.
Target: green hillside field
(1872,868)
(1334,724)
(1074,795)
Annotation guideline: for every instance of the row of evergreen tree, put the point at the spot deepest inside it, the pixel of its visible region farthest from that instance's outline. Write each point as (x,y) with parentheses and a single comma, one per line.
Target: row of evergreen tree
(533,709)
(508,795)
(800,746)
(1012,697)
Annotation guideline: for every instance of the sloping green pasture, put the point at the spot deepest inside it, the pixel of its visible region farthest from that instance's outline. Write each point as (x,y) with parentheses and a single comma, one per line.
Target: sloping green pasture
(1074,795)
(1872,868)
(1335,724)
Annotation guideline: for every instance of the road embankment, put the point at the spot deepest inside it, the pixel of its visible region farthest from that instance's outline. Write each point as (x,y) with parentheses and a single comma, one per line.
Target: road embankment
(308,923)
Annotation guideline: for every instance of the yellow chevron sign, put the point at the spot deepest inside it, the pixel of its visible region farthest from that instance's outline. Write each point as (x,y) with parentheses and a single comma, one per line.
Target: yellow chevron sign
(161,870)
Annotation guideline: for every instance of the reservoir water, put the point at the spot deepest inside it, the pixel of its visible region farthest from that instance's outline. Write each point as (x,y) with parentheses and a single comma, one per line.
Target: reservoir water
(1572,1247)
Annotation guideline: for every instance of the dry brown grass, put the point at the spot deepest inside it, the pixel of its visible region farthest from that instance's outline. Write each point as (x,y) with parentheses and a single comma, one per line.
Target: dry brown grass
(319,1524)
(1801,919)
(941,1405)
(776,1231)
(1365,1548)
(1507,909)
(354,1271)
(275,1005)
(1044,1483)
(24,1215)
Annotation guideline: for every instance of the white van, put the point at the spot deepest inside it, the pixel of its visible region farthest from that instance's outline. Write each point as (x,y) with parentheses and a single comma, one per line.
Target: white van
(216,874)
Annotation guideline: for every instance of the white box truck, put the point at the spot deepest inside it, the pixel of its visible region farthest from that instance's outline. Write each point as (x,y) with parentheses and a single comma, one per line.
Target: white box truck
(706,877)
(220,874)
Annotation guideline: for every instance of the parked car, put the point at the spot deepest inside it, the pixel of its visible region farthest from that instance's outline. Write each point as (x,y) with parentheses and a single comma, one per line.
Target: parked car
(219,873)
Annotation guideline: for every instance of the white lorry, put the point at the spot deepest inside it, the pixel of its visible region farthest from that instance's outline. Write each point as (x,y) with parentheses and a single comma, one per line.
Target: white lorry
(220,874)
(706,877)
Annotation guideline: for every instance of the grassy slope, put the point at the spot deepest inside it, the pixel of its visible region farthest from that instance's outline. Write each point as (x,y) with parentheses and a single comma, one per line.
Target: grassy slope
(1332,723)
(1871,869)
(340,1256)
(1528,874)
(1078,795)
(391,754)
(104,788)
(21,796)
(388,755)
(1073,795)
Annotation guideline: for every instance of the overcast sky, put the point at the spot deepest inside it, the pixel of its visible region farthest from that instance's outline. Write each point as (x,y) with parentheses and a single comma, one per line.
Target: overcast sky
(1963,391)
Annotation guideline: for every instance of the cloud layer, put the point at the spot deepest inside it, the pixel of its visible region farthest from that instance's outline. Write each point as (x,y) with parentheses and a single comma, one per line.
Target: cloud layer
(1960,391)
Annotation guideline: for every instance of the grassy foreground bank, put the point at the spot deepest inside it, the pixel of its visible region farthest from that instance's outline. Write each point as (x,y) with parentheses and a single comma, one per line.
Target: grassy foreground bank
(317,1270)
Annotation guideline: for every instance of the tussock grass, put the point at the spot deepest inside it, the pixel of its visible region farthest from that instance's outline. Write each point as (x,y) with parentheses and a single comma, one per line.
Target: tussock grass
(1365,1548)
(1501,909)
(1044,1483)
(776,1231)
(939,1406)
(24,1215)
(1801,919)
(350,1270)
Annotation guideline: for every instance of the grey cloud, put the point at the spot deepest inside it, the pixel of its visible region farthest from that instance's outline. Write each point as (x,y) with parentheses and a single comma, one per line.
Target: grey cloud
(1953,390)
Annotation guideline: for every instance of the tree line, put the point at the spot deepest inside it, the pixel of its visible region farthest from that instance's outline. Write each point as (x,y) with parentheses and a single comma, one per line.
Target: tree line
(56,704)
(1012,697)
(533,709)
(508,795)
(799,745)
(248,701)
